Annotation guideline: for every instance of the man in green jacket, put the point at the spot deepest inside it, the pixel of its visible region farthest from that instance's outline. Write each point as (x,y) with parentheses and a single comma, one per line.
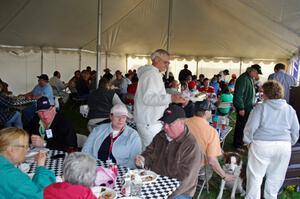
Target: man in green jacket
(243,101)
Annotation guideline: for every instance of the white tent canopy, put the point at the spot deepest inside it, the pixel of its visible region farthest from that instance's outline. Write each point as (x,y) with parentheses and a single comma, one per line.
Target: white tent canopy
(208,28)
(237,30)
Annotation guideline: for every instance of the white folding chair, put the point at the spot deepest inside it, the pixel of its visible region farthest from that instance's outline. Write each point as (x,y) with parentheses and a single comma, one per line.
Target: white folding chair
(80,140)
(204,176)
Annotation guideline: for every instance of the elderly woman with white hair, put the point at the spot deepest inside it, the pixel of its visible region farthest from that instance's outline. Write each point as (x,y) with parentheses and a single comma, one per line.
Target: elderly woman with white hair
(114,141)
(14,144)
(79,173)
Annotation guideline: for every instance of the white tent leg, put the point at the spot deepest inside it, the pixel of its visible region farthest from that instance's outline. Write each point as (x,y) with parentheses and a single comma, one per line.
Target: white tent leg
(79,59)
(99,33)
(126,63)
(42,60)
(169,31)
(197,66)
(241,61)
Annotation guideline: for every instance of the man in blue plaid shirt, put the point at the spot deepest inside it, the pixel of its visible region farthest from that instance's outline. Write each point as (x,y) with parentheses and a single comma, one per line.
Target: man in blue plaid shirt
(8,116)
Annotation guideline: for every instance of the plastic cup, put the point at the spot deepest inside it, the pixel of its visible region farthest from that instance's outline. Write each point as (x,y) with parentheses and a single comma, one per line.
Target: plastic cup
(136,189)
(215,124)
(223,126)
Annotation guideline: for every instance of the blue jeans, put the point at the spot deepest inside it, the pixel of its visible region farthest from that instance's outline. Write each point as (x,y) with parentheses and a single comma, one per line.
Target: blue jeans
(15,121)
(29,111)
(182,197)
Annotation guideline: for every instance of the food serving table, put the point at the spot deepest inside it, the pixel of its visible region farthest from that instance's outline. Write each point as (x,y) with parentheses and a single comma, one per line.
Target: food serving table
(162,188)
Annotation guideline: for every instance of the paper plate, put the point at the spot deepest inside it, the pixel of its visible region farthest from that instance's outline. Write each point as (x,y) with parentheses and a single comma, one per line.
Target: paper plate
(25,167)
(30,154)
(146,176)
(104,193)
(196,99)
(35,151)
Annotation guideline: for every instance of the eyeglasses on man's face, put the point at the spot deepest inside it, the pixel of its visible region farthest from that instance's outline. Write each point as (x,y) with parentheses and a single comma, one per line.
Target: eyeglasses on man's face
(166,62)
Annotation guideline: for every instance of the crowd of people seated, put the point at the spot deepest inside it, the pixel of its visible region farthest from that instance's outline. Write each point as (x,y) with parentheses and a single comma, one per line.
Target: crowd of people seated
(173,136)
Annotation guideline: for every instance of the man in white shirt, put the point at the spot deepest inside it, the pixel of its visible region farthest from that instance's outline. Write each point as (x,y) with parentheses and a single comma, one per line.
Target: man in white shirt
(151,98)
(285,79)
(58,86)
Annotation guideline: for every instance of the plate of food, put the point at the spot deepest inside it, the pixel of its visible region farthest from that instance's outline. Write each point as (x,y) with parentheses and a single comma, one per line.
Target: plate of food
(35,151)
(146,176)
(104,192)
(30,154)
(198,97)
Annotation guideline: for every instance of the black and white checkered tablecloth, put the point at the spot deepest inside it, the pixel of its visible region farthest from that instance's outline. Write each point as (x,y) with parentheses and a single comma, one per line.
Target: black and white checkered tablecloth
(162,188)
(132,124)
(18,101)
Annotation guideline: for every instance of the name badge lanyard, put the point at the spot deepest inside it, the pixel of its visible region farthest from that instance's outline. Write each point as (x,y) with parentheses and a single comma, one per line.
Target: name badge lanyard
(112,140)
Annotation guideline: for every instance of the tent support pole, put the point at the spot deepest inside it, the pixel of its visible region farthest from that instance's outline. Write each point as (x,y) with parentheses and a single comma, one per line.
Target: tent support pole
(197,66)
(169,24)
(169,31)
(42,60)
(126,63)
(106,59)
(298,58)
(99,32)
(241,60)
(80,59)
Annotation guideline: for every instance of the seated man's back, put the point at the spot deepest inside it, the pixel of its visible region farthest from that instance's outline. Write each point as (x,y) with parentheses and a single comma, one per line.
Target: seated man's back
(206,136)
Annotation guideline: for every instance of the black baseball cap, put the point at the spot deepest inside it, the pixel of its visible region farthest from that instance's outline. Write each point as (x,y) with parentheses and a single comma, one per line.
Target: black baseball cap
(257,68)
(42,104)
(226,72)
(43,77)
(204,105)
(172,113)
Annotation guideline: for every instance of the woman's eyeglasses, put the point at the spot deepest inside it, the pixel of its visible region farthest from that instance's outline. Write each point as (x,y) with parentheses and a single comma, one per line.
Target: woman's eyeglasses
(26,146)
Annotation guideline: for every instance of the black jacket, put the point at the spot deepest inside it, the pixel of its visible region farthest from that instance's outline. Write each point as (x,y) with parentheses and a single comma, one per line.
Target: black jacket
(63,133)
(100,102)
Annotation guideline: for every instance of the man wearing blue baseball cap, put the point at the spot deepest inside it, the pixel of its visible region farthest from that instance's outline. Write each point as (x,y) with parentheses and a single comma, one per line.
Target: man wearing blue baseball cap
(50,129)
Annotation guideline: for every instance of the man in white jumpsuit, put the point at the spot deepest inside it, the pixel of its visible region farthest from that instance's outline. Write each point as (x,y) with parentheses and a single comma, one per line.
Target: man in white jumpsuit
(151,98)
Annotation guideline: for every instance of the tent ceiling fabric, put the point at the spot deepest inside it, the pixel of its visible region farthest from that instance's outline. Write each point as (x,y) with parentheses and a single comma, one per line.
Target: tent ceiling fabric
(210,28)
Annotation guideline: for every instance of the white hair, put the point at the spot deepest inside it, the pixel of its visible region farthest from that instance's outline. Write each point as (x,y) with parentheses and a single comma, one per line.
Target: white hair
(80,168)
(159,53)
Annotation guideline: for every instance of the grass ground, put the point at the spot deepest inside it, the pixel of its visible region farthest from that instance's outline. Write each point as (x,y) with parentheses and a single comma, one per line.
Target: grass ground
(72,113)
